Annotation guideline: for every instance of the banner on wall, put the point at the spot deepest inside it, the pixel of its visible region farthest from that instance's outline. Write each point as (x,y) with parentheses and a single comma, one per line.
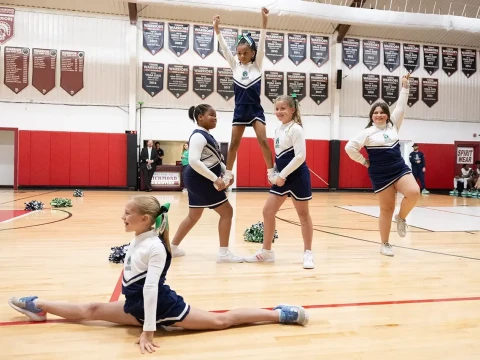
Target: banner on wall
(203,40)
(44,69)
(319,49)
(371,87)
(230,36)
(429,91)
(297,83)
(390,89)
(297,48)
(274,84)
(152,77)
(371,54)
(350,52)
(318,87)
(177,79)
(71,74)
(391,55)
(178,38)
(153,36)
(465,155)
(274,46)
(203,78)
(225,83)
(16,61)
(469,62)
(7,24)
(411,57)
(449,60)
(431,55)
(414,93)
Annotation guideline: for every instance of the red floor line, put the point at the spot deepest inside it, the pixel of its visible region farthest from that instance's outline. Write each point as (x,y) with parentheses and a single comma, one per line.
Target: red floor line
(118,289)
(320,306)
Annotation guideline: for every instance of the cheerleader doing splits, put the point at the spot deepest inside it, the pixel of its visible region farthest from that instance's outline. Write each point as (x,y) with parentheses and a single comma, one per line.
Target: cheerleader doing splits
(150,303)
(247,77)
(387,169)
(292,180)
(204,183)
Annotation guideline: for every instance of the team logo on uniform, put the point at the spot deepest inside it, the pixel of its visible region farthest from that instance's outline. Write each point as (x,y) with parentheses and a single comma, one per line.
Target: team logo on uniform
(385,137)
(245,75)
(129,261)
(277,142)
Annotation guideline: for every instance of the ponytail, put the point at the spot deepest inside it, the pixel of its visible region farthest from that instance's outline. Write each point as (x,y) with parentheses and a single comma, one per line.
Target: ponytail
(293,103)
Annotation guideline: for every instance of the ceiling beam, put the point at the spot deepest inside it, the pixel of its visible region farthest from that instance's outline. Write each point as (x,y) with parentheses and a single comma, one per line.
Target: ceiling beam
(342,29)
(132,12)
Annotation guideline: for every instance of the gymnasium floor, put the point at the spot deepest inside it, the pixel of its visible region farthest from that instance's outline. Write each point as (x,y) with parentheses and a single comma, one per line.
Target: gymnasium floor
(422,304)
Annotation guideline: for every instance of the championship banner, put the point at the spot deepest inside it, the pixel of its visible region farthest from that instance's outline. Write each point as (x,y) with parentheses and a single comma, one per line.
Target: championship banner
(7,22)
(16,64)
(71,71)
(44,69)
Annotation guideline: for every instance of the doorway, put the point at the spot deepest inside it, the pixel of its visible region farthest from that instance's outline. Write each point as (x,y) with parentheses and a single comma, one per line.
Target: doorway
(8,157)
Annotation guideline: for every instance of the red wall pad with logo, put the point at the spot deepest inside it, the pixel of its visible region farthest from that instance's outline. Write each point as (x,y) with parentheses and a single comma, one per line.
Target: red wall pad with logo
(252,172)
(56,158)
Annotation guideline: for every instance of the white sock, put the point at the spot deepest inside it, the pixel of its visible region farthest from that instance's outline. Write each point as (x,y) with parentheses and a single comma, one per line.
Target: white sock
(228,173)
(308,251)
(270,171)
(279,314)
(173,247)
(267,251)
(223,251)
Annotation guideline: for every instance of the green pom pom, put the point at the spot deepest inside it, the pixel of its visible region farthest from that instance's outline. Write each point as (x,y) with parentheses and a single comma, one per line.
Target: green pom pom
(61,202)
(255,233)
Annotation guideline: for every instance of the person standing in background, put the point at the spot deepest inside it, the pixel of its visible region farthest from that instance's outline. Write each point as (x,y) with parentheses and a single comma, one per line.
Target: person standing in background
(160,153)
(184,158)
(148,163)
(417,160)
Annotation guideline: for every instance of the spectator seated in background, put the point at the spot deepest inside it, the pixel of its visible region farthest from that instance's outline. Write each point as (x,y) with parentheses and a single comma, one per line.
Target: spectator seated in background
(465,178)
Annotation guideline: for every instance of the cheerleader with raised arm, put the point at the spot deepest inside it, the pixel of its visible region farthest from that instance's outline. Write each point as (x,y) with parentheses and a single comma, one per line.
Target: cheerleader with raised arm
(386,167)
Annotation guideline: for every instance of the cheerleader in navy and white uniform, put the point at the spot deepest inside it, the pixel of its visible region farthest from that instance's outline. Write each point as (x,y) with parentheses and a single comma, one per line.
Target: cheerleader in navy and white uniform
(247,77)
(386,167)
(150,303)
(204,183)
(292,179)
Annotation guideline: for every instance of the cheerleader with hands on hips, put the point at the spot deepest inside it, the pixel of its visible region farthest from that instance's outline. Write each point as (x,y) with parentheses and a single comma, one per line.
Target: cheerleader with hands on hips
(387,169)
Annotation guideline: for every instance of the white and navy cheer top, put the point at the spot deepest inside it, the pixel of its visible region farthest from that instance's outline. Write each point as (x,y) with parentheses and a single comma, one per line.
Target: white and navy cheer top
(247,79)
(204,154)
(144,273)
(290,148)
(382,143)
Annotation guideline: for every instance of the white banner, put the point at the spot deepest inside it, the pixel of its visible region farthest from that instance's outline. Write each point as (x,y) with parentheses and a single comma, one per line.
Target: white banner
(465,155)
(166,178)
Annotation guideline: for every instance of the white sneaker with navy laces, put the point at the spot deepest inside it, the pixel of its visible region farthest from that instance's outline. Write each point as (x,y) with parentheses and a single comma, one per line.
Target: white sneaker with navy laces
(291,314)
(26,306)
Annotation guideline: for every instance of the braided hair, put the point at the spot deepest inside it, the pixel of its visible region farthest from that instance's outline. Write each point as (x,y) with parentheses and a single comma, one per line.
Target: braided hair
(246,39)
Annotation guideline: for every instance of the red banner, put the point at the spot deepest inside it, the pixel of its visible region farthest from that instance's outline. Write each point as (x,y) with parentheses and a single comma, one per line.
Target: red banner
(71,78)
(7,20)
(44,67)
(16,61)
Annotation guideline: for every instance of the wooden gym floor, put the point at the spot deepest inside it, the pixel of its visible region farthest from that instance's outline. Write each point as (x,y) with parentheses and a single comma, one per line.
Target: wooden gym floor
(422,304)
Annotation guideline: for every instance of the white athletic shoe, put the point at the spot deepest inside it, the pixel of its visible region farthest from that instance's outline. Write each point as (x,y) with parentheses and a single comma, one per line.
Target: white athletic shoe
(261,255)
(229,257)
(401,226)
(308,262)
(386,249)
(177,252)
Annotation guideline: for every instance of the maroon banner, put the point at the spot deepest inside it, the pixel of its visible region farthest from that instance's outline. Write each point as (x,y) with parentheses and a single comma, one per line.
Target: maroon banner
(72,64)
(44,69)
(7,21)
(16,68)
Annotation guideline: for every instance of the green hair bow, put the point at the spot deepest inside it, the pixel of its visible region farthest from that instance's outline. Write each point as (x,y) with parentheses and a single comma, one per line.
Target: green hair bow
(161,223)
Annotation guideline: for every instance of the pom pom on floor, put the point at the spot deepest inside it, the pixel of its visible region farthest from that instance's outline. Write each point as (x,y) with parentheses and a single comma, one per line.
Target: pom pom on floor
(117,255)
(34,205)
(255,233)
(61,202)
(78,193)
